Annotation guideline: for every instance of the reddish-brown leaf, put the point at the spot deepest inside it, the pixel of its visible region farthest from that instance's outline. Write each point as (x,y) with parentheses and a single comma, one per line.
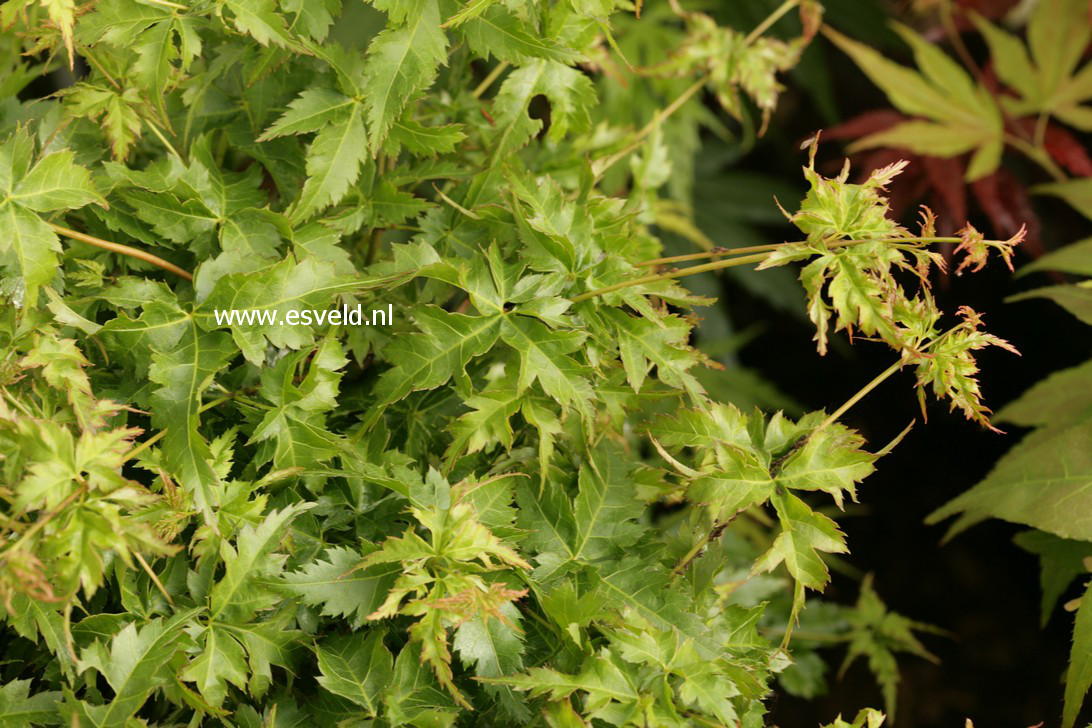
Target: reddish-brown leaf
(1067,151)
(864,124)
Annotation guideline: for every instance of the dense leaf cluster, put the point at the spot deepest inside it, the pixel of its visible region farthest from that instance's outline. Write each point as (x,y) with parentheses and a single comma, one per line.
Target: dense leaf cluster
(515,505)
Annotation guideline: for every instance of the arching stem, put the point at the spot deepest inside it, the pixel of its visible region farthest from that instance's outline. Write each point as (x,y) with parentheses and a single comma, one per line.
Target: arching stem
(123,250)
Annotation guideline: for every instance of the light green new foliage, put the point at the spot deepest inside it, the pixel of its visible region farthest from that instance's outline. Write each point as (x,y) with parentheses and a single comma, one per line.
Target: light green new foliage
(517,503)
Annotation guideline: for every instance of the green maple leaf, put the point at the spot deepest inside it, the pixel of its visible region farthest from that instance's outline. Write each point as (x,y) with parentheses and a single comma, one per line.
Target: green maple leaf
(1075,299)
(486,423)
(183,372)
(804,534)
(333,162)
(314,18)
(559,233)
(495,648)
(1078,677)
(414,695)
(1045,72)
(402,61)
(545,358)
(297,424)
(311,111)
(338,588)
(866,718)
(160,326)
(426,360)
(721,424)
(663,343)
(118,110)
(28,246)
(422,140)
(152,31)
(180,220)
(832,460)
(138,662)
(597,523)
(1060,562)
(1048,466)
(747,459)
(570,94)
(608,685)
(633,584)
(604,510)
(222,661)
(877,634)
(250,563)
(117,21)
(733,487)
(358,667)
(267,643)
(18,708)
(494,31)
(260,20)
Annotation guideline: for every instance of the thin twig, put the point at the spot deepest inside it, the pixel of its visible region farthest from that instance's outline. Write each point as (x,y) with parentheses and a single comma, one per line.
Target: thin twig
(769,21)
(159,135)
(90,58)
(717,265)
(482,87)
(375,242)
(122,249)
(713,535)
(714,253)
(722,251)
(858,397)
(154,578)
(648,128)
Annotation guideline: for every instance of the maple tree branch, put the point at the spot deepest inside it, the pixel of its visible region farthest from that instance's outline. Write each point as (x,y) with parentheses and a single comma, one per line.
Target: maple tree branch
(693,270)
(735,261)
(163,139)
(769,21)
(713,535)
(877,381)
(154,577)
(482,87)
(722,251)
(648,128)
(122,249)
(717,252)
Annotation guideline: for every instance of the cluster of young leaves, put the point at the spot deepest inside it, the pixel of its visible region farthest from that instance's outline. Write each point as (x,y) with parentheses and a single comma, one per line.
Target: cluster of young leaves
(452,519)
(855,250)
